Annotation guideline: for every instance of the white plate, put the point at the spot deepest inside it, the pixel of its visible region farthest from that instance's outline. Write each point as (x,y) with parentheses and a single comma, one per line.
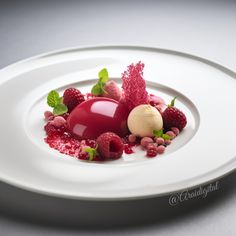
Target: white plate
(204,151)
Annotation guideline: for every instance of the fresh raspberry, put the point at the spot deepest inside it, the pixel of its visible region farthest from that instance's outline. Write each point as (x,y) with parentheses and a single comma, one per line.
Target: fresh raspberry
(112,90)
(51,130)
(110,145)
(173,117)
(72,97)
(98,158)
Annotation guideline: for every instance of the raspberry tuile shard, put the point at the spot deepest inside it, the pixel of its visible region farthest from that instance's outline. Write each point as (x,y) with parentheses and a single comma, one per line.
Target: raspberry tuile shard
(134,86)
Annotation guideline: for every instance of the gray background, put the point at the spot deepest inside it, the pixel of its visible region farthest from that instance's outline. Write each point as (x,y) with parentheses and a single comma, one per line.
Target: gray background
(203,28)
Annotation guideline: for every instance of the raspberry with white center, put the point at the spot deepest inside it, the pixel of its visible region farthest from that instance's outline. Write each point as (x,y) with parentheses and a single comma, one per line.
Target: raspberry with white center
(110,145)
(72,97)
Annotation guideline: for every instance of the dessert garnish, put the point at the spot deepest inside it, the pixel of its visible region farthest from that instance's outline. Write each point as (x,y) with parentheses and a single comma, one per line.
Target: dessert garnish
(134,86)
(91,151)
(72,97)
(56,102)
(98,88)
(105,87)
(110,145)
(110,120)
(173,117)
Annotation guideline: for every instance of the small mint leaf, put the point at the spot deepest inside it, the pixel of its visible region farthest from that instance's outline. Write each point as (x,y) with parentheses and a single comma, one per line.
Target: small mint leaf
(173,102)
(96,90)
(103,75)
(60,109)
(92,152)
(102,87)
(166,137)
(158,133)
(53,98)
(101,84)
(104,91)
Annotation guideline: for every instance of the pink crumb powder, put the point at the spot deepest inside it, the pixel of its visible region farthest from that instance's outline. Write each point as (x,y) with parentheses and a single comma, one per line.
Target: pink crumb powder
(65,144)
(134,86)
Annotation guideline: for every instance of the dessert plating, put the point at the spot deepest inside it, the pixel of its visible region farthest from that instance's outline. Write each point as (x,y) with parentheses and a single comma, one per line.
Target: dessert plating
(109,120)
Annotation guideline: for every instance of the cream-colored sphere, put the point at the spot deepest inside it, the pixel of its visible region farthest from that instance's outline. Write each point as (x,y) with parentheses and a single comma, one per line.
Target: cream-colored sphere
(143,119)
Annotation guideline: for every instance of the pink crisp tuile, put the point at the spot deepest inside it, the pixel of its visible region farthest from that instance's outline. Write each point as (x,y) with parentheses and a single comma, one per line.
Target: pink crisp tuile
(134,86)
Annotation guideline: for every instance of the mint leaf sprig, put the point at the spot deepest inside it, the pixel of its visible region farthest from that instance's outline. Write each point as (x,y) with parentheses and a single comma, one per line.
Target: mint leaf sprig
(98,88)
(92,152)
(172,104)
(160,134)
(56,102)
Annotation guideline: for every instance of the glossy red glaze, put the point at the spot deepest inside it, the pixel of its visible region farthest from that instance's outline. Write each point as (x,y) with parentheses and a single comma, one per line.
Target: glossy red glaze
(96,116)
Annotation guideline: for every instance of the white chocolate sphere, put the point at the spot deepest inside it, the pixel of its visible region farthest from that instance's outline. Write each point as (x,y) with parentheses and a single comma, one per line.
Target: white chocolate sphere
(143,119)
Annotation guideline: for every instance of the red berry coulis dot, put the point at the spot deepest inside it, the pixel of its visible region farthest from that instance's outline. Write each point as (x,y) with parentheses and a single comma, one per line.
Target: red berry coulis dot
(128,148)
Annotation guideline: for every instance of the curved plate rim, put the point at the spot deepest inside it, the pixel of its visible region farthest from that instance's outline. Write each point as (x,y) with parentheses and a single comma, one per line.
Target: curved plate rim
(214,175)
